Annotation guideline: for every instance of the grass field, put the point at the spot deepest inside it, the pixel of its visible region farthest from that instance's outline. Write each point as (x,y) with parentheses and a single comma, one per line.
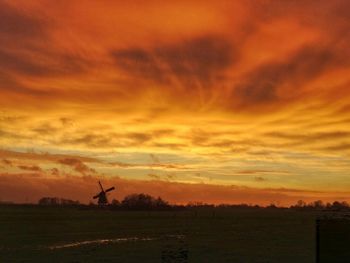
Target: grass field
(48,234)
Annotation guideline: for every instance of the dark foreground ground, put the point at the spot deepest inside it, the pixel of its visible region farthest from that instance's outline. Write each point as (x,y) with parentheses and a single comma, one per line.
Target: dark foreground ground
(48,234)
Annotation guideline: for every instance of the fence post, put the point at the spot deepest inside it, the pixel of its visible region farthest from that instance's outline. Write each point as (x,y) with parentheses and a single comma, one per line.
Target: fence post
(317,240)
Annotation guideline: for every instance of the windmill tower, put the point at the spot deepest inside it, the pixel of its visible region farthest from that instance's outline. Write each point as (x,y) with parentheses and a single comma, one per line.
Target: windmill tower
(102,197)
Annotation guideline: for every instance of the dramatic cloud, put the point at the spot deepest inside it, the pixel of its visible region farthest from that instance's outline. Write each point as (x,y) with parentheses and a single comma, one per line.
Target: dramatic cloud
(7,162)
(39,157)
(33,168)
(284,80)
(182,96)
(259,179)
(77,165)
(191,63)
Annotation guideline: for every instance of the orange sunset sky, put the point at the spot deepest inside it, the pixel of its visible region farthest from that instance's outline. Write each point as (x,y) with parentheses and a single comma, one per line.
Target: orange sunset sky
(212,101)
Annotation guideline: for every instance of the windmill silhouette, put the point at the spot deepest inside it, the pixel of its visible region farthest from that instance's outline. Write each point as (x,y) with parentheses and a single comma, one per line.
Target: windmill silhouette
(102,197)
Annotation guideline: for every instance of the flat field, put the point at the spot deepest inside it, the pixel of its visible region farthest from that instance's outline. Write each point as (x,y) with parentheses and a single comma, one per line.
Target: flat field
(50,234)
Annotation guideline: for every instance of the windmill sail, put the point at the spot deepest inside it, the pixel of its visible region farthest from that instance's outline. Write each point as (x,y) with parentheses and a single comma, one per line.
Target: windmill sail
(100,186)
(110,189)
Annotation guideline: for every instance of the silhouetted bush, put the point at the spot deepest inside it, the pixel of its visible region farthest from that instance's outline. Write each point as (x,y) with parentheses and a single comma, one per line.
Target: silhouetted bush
(143,202)
(115,202)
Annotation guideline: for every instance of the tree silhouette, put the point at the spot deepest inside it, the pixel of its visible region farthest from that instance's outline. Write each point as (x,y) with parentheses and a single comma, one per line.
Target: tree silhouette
(143,202)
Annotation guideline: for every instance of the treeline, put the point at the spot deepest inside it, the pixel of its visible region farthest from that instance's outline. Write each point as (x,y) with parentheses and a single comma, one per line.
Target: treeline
(130,202)
(320,205)
(55,201)
(141,202)
(148,202)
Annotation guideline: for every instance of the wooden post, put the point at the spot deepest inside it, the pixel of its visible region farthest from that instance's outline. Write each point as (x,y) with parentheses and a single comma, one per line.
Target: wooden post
(317,240)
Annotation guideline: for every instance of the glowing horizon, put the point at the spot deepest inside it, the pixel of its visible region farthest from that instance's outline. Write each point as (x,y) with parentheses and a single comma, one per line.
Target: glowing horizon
(241,102)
